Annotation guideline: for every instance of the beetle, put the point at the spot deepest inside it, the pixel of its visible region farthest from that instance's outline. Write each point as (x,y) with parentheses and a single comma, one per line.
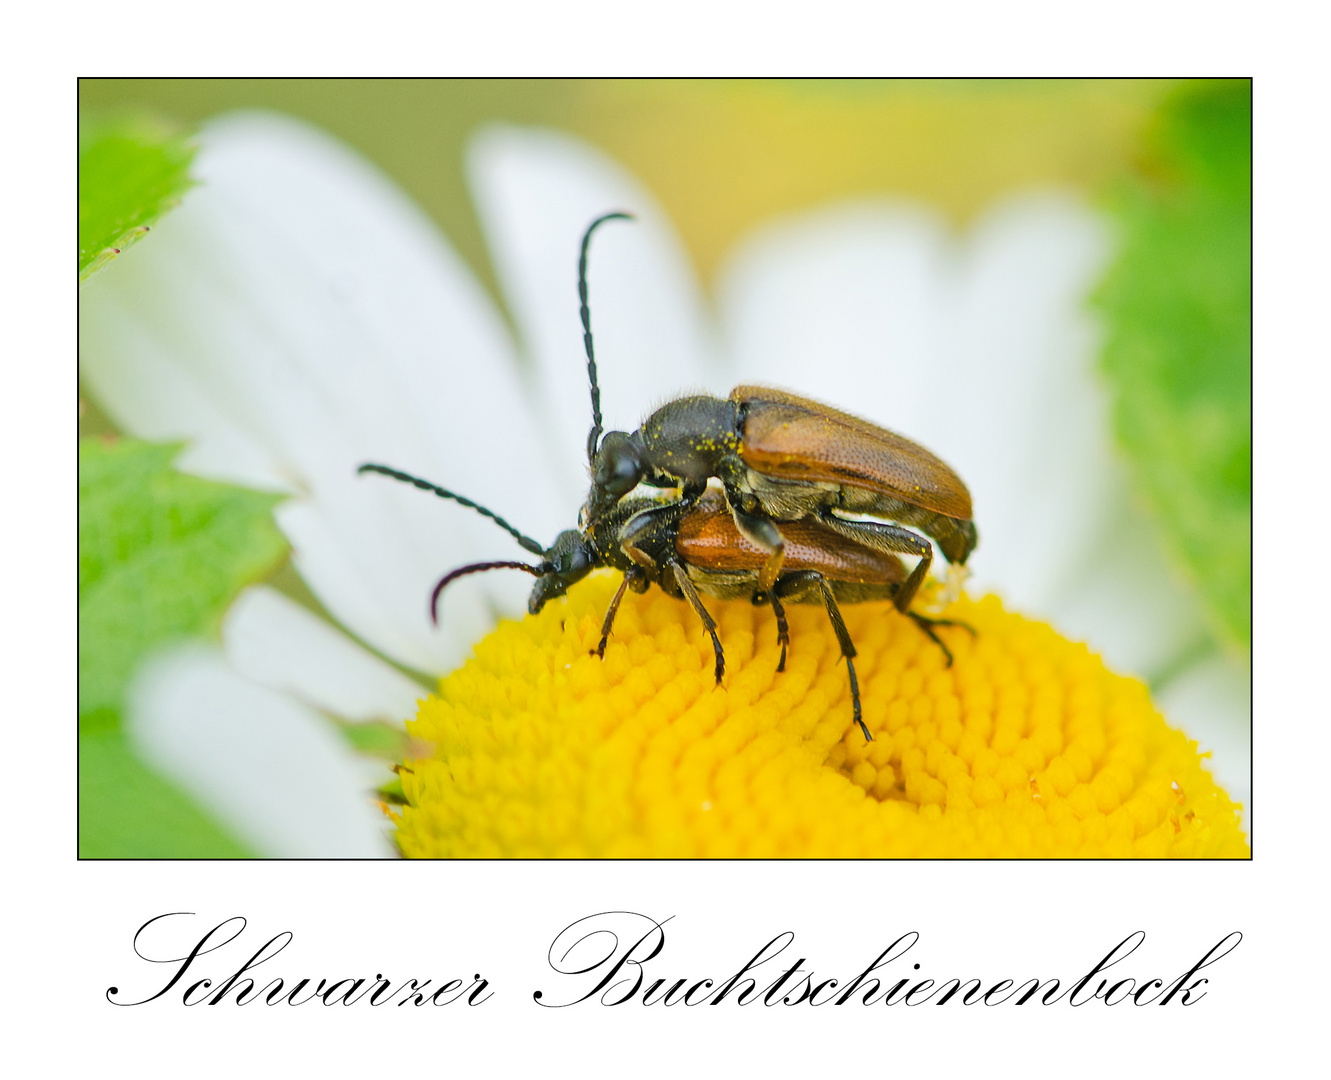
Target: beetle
(820,565)
(688,548)
(634,536)
(782,458)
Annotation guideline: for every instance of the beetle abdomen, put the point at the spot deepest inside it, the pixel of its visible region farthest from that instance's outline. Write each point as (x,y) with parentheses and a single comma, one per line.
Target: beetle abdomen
(794,438)
(709,539)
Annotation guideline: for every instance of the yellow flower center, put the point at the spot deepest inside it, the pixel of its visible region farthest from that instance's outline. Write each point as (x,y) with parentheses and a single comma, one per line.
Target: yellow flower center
(1026,746)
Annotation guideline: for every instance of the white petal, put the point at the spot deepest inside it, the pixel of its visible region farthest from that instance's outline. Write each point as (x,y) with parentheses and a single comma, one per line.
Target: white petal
(851,305)
(1033,439)
(536,192)
(270,768)
(1212,702)
(297,316)
(275,642)
(1136,611)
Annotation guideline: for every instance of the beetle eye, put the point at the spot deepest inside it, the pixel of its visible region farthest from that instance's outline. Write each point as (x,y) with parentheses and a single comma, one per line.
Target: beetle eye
(617,470)
(569,559)
(578,561)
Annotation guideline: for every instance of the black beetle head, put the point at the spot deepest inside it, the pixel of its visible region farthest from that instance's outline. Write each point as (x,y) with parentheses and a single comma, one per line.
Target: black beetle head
(616,470)
(569,560)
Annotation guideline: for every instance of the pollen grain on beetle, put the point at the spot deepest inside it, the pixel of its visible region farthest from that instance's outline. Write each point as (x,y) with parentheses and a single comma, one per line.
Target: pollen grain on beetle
(1026,747)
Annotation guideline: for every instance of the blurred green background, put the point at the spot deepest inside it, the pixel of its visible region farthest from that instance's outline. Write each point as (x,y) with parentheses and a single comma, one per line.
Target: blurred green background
(1170,161)
(721,156)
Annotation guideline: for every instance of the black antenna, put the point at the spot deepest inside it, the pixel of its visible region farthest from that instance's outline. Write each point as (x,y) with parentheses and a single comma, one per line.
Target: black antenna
(526,541)
(594,436)
(474,568)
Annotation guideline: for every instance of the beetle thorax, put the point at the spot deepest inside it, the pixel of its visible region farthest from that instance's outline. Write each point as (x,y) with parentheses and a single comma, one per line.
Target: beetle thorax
(688,438)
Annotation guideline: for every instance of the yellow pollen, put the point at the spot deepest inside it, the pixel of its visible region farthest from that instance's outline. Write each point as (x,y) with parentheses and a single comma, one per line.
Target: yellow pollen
(1026,747)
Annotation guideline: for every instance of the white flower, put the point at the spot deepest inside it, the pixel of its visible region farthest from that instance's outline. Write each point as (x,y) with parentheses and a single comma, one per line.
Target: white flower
(297,316)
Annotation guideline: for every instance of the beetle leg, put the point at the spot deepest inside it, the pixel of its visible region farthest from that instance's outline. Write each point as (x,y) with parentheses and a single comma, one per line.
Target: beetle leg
(641,529)
(782,628)
(925,623)
(629,577)
(691,595)
(891,539)
(761,531)
(792,583)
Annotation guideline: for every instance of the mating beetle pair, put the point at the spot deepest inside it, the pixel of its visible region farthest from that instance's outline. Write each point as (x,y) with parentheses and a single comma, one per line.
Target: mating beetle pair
(789,469)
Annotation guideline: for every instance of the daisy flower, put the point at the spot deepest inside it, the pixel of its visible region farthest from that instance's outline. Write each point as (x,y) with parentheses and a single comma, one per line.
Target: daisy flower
(298,316)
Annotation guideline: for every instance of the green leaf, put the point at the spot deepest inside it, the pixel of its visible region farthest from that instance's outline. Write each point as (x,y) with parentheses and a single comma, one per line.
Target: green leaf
(131,171)
(377,739)
(161,555)
(1178,354)
(127,812)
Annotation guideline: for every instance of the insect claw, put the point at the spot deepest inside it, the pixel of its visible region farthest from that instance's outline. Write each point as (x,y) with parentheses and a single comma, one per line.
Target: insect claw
(927,625)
